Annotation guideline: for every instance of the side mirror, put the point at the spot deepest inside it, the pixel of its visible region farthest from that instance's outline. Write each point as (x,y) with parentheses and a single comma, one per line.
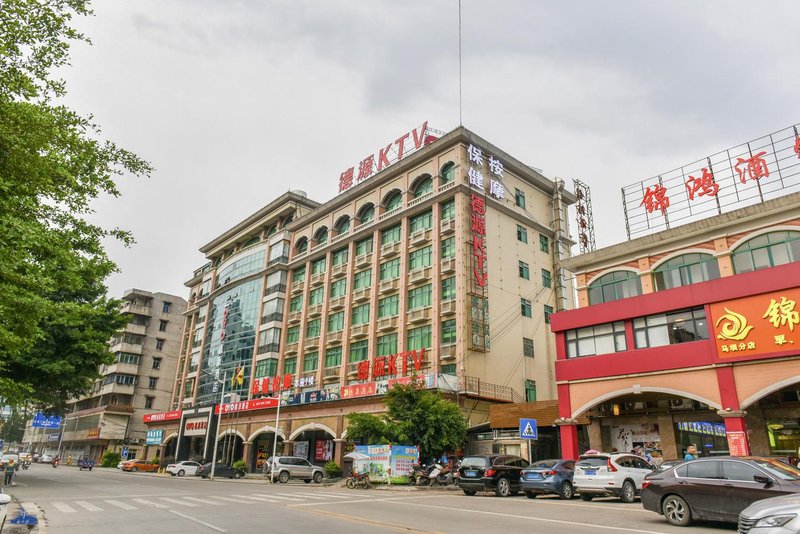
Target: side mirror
(763,480)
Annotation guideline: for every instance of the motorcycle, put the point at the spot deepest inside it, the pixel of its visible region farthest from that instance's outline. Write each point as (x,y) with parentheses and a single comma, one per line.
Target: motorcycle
(26,464)
(444,477)
(55,463)
(356,479)
(420,474)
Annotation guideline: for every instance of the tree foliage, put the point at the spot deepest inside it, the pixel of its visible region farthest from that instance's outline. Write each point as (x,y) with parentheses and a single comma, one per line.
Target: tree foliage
(414,416)
(55,317)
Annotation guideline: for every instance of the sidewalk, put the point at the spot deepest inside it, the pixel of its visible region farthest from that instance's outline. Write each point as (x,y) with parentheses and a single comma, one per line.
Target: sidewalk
(18,521)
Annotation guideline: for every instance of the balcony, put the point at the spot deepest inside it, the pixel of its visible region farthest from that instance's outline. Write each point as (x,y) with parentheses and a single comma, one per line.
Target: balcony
(419,315)
(280,259)
(420,200)
(332,374)
(388,214)
(476,387)
(361,294)
(338,271)
(420,237)
(335,303)
(317,279)
(332,338)
(352,369)
(387,323)
(291,348)
(294,317)
(389,285)
(132,328)
(448,265)
(448,307)
(126,347)
(278,288)
(364,260)
(447,226)
(138,309)
(447,352)
(315,310)
(361,226)
(125,368)
(361,330)
(311,343)
(419,276)
(269,347)
(339,237)
(297,287)
(276,316)
(449,185)
(390,249)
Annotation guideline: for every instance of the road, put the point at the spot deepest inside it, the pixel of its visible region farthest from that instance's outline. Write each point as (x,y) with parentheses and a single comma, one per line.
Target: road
(70,501)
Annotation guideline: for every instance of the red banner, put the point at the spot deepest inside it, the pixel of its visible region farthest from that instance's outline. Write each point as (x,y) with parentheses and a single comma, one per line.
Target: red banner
(358,390)
(248,405)
(737,444)
(162,416)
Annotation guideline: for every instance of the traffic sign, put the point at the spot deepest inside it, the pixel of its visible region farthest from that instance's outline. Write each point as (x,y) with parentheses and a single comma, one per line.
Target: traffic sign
(42,421)
(124,453)
(527,429)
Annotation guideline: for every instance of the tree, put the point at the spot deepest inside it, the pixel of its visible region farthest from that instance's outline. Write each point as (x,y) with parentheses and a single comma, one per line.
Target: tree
(55,317)
(414,416)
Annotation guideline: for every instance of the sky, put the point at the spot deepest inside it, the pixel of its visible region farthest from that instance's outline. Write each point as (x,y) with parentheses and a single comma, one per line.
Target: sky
(236,102)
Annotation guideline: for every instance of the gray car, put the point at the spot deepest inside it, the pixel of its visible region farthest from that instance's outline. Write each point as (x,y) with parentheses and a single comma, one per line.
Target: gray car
(287,467)
(776,515)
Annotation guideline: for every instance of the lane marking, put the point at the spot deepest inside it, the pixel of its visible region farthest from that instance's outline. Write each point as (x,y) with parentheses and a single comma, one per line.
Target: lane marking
(89,506)
(33,508)
(179,502)
(120,504)
(263,499)
(150,503)
(204,501)
(63,507)
(588,506)
(237,501)
(355,501)
(209,525)
(303,496)
(363,520)
(276,496)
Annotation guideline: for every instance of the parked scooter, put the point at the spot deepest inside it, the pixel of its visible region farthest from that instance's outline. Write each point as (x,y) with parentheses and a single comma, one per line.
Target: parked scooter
(420,475)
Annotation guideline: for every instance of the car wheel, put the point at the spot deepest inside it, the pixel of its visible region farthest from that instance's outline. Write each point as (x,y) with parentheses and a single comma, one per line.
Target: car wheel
(470,493)
(307,480)
(566,492)
(90,469)
(181,473)
(237,475)
(350,483)
(530,495)
(587,497)
(317,478)
(283,478)
(677,511)
(503,488)
(134,469)
(628,492)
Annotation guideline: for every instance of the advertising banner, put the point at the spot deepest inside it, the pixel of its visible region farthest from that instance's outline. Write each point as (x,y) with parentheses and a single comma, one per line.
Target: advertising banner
(379,458)
(627,437)
(162,416)
(324,450)
(301,449)
(245,406)
(403,457)
(154,437)
(195,427)
(54,437)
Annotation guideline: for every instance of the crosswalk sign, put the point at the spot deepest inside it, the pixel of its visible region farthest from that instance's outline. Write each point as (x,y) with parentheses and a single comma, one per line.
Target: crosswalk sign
(527,429)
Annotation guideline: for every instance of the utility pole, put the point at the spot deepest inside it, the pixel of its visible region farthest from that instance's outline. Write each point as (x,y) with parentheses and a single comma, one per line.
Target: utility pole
(275,437)
(216,433)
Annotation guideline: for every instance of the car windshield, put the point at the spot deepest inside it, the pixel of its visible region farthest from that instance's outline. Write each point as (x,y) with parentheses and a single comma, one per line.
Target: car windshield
(596,461)
(475,461)
(779,469)
(544,464)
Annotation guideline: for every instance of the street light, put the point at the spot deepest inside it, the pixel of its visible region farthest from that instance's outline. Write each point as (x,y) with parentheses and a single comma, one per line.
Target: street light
(219,419)
(275,436)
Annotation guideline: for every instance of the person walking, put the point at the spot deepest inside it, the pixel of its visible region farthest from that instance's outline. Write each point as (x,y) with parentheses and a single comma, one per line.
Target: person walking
(691,453)
(9,472)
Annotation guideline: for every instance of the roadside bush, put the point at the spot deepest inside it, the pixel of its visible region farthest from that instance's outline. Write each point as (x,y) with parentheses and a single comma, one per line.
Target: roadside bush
(332,469)
(110,459)
(155,461)
(240,464)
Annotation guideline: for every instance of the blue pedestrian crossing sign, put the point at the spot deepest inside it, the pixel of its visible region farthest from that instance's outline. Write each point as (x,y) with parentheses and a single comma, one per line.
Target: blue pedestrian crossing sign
(527,429)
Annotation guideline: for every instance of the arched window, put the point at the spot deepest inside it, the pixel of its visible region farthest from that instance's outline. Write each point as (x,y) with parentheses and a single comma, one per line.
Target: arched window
(615,286)
(272,230)
(424,186)
(685,270)
(448,172)
(394,201)
(768,250)
(252,241)
(343,225)
(367,213)
(301,245)
(321,237)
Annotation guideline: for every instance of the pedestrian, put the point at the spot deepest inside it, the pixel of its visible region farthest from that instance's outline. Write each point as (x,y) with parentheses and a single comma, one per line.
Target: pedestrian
(9,472)
(691,453)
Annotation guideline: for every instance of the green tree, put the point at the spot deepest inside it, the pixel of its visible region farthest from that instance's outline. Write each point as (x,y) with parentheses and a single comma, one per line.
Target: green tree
(370,429)
(55,317)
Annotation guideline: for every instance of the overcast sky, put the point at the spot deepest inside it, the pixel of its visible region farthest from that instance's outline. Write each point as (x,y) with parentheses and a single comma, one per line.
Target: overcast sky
(236,102)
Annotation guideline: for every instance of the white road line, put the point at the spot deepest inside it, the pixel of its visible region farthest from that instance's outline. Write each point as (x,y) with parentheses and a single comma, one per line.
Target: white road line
(204,501)
(209,525)
(302,496)
(150,503)
(120,504)
(63,507)
(33,509)
(179,502)
(337,495)
(237,501)
(263,498)
(284,498)
(89,506)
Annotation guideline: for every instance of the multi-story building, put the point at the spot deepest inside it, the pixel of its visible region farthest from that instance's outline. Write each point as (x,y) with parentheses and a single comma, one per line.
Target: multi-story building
(443,265)
(139,382)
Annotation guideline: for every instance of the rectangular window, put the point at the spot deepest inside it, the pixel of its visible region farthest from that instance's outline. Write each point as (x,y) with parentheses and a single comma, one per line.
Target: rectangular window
(360,314)
(420,258)
(423,221)
(530,391)
(419,297)
(680,326)
(358,351)
(292,334)
(315,296)
(603,338)
(318,266)
(389,306)
(310,362)
(449,369)
(152,383)
(387,345)
(527,347)
(126,357)
(525,306)
(166,307)
(333,357)
(339,257)
(548,311)
(544,243)
(148,402)
(448,247)
(522,234)
(290,365)
(449,288)
(276,283)
(524,270)
(296,304)
(546,278)
(312,328)
(390,269)
(272,310)
(162,326)
(299,275)
(336,322)
(267,367)
(364,246)
(156,363)
(188,387)
(338,288)
(519,198)
(159,344)
(269,340)
(448,210)
(362,279)
(419,338)
(390,235)
(449,332)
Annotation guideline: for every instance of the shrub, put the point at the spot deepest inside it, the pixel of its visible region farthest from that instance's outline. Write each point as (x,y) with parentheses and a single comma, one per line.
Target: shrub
(110,459)
(241,465)
(332,469)
(155,461)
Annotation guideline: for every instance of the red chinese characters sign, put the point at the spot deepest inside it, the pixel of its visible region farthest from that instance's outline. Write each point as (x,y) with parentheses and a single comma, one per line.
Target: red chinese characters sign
(478,226)
(162,416)
(384,366)
(245,406)
(271,384)
(760,324)
(737,444)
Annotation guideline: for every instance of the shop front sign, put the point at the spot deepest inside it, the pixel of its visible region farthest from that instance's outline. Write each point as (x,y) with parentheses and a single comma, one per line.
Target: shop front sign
(246,406)
(392,365)
(93,433)
(195,427)
(154,437)
(737,443)
(162,416)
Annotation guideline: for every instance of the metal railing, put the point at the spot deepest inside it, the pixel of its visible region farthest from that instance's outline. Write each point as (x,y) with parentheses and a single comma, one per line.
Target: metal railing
(472,385)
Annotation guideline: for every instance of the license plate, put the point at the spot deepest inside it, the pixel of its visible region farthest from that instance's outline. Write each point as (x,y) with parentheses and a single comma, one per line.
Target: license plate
(532,476)
(471,473)
(590,472)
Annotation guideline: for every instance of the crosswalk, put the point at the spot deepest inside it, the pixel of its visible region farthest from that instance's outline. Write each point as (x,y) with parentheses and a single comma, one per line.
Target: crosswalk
(187,501)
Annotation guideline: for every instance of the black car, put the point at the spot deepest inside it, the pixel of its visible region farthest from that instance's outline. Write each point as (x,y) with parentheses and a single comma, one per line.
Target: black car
(498,473)
(221,470)
(716,488)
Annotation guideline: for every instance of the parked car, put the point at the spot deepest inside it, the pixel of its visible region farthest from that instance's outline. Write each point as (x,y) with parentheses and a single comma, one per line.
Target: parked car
(139,465)
(717,488)
(498,473)
(221,470)
(85,463)
(667,464)
(288,467)
(776,515)
(4,501)
(46,459)
(183,468)
(549,476)
(603,474)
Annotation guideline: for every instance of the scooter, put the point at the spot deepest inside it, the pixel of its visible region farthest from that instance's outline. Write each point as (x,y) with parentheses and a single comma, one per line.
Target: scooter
(420,475)
(26,464)
(55,463)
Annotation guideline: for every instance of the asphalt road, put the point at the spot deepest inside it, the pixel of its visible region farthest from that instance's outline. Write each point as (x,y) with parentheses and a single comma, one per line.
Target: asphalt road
(110,501)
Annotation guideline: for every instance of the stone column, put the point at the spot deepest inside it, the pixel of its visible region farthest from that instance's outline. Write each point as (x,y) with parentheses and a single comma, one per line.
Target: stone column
(338,451)
(595,435)
(247,452)
(569,438)
(666,430)
(757,434)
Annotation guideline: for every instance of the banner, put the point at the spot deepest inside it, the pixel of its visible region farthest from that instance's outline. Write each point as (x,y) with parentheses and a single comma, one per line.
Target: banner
(379,458)
(403,457)
(324,450)
(154,437)
(301,449)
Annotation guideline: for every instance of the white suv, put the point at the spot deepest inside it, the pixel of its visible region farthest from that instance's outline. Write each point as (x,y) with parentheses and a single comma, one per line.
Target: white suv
(603,474)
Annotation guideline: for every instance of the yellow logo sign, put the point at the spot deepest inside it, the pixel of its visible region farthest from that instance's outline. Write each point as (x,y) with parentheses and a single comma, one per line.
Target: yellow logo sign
(734,326)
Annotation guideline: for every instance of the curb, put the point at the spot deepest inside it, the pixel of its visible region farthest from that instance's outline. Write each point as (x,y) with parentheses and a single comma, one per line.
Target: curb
(18,521)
